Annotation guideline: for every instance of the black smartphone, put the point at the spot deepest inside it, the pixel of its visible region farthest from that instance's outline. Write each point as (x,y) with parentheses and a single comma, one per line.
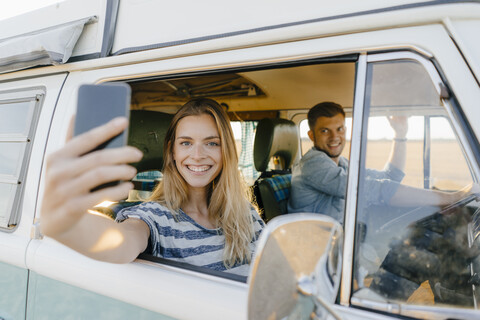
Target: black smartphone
(98,104)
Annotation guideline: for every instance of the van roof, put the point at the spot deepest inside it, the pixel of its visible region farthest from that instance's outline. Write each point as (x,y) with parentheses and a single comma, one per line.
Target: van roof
(76,30)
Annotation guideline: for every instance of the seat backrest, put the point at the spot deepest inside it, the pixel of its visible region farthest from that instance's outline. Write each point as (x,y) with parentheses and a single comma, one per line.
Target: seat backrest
(277,138)
(275,192)
(147,133)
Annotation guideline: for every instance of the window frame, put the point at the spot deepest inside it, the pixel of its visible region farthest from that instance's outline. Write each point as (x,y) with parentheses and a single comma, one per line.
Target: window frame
(342,58)
(454,116)
(36,97)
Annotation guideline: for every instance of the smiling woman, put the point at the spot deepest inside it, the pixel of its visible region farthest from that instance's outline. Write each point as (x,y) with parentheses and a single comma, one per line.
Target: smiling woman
(202,183)
(197,151)
(188,218)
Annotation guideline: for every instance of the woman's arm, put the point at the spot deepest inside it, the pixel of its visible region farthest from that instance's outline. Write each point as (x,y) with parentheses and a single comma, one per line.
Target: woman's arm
(70,175)
(104,239)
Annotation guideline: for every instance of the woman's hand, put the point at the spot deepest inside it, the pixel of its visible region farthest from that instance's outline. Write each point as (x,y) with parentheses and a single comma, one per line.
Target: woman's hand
(72,172)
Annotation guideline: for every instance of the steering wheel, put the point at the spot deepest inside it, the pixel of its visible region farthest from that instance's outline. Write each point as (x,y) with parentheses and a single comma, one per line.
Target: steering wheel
(418,238)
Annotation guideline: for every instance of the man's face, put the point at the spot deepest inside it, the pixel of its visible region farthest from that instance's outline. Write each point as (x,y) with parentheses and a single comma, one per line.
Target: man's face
(329,135)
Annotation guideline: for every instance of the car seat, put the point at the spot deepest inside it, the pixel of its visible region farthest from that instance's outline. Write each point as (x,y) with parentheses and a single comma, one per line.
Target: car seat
(147,132)
(276,143)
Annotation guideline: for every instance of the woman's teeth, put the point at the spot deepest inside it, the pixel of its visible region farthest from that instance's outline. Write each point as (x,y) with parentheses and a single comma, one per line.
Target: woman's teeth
(198,169)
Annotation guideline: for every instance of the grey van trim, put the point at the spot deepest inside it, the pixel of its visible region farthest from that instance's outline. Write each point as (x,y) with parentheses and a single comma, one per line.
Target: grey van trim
(108,34)
(90,56)
(285,25)
(109,27)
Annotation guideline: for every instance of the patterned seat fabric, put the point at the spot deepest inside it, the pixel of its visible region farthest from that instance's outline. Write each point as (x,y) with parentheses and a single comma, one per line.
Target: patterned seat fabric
(275,192)
(281,186)
(144,185)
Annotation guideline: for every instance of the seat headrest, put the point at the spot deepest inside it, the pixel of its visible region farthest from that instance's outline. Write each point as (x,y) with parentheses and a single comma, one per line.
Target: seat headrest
(147,133)
(275,137)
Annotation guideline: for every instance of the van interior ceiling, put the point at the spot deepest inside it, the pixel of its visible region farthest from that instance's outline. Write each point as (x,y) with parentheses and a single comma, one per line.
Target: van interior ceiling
(251,95)
(247,95)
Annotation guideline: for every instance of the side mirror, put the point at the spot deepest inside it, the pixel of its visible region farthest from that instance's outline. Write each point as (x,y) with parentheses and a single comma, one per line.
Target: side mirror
(296,269)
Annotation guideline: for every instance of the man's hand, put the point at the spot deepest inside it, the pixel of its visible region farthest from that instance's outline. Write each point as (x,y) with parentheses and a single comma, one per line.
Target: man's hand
(399,124)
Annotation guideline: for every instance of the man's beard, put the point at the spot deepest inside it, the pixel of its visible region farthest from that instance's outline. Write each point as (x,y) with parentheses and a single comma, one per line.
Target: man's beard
(328,153)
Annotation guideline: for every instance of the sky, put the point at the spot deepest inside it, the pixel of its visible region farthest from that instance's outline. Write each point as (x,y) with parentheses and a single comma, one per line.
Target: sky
(10,8)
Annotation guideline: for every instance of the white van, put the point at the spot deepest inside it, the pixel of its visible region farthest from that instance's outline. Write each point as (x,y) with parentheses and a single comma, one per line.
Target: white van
(267,63)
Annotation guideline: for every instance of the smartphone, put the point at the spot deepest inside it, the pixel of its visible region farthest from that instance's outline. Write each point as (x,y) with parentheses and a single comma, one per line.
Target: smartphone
(98,104)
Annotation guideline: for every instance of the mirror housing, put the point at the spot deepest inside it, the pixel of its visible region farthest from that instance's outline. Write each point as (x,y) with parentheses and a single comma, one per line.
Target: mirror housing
(296,269)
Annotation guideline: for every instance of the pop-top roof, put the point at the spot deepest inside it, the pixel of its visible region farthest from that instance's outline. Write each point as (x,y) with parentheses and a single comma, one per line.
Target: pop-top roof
(70,30)
(86,29)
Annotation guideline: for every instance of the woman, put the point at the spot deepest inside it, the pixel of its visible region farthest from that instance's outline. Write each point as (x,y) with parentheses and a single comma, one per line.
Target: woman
(199,214)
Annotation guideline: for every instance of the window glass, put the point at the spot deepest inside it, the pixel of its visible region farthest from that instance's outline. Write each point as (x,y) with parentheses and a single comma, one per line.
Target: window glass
(401,83)
(415,245)
(15,117)
(244,134)
(380,135)
(7,193)
(17,111)
(237,134)
(452,172)
(11,155)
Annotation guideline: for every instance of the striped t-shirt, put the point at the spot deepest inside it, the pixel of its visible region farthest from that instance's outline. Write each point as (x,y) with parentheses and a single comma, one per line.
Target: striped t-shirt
(181,239)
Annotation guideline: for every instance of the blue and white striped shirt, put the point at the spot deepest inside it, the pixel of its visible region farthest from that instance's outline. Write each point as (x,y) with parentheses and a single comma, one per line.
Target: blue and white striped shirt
(181,239)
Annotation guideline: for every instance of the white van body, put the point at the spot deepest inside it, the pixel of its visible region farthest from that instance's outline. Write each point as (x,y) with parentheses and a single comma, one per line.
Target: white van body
(140,39)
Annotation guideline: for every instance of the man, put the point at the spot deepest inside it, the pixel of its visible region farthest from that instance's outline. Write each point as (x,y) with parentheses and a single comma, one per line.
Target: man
(319,184)
(319,181)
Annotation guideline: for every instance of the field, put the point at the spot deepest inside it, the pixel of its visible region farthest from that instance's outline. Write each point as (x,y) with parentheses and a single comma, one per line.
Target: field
(449,170)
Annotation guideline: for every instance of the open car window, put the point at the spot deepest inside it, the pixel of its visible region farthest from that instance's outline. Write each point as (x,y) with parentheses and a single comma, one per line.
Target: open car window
(271,92)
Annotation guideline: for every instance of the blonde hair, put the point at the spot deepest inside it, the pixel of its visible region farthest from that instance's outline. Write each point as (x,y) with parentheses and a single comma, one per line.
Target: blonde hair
(227,196)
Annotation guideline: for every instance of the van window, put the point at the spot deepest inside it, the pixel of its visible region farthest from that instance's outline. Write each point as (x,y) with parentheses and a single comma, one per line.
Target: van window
(244,133)
(248,96)
(18,113)
(411,252)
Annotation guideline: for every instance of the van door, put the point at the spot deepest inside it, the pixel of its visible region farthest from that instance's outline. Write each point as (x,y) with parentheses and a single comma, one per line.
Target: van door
(413,256)
(26,108)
